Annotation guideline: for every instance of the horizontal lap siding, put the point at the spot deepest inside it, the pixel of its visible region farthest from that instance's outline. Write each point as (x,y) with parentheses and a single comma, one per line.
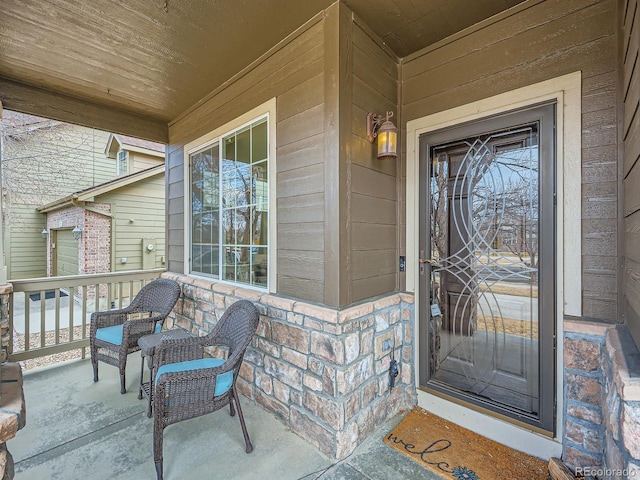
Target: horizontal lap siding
(550,39)
(26,250)
(373,182)
(631,137)
(294,76)
(175,207)
(138,213)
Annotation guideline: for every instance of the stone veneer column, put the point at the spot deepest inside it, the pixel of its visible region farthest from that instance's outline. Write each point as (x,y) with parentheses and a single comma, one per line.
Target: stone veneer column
(583,427)
(12,414)
(602,400)
(321,371)
(5,295)
(621,404)
(12,404)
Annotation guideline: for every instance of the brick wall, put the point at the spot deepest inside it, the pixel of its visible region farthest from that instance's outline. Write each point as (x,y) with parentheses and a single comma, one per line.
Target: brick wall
(323,372)
(95,250)
(94,247)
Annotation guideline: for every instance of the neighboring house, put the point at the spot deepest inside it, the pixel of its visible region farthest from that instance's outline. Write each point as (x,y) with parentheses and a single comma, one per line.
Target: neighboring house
(133,154)
(114,226)
(42,160)
(274,194)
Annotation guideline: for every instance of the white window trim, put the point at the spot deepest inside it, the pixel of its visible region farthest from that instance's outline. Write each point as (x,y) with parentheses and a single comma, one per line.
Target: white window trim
(269,109)
(567,92)
(118,172)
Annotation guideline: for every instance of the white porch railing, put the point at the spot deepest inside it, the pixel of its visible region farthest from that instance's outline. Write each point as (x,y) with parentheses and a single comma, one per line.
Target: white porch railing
(52,315)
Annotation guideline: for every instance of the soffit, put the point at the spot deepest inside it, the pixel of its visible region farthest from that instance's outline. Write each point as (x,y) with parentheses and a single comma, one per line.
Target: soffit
(157,58)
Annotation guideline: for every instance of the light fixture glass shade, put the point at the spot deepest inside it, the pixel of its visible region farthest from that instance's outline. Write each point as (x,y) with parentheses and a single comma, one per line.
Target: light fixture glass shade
(45,233)
(387,141)
(77,233)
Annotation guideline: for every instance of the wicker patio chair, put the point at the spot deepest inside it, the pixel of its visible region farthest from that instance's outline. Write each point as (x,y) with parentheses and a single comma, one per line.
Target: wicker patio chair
(114,334)
(189,384)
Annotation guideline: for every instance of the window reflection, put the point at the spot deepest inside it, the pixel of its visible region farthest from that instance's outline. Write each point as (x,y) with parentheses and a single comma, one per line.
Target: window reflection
(230,202)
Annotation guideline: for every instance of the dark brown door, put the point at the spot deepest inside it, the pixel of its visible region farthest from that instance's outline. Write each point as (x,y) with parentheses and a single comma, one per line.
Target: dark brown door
(487,240)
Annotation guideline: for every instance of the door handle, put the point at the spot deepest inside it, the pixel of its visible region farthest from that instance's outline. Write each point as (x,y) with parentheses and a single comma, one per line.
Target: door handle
(432,261)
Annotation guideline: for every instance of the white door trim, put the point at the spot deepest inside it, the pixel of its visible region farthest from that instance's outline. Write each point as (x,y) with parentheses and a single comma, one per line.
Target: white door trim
(566,90)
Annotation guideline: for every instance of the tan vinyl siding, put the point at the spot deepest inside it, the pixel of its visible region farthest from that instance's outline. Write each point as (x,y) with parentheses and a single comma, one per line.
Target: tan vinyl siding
(26,252)
(374,205)
(102,169)
(294,75)
(140,161)
(630,16)
(542,42)
(138,213)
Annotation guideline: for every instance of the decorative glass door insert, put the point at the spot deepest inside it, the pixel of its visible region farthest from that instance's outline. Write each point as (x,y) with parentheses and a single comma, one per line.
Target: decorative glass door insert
(486,247)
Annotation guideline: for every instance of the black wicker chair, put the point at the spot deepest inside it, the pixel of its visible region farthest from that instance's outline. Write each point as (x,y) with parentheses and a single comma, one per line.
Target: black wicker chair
(114,334)
(189,384)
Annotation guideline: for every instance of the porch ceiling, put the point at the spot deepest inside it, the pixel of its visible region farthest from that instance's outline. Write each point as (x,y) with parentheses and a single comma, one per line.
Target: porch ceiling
(156,58)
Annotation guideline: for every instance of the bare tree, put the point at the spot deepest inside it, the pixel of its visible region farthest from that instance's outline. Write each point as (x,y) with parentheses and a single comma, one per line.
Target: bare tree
(42,159)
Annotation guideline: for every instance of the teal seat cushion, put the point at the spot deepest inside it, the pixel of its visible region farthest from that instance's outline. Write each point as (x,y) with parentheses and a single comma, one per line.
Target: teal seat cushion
(223,382)
(114,334)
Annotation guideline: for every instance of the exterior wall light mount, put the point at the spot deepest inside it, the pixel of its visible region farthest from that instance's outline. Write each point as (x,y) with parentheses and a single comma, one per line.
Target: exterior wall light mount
(45,233)
(76,232)
(380,127)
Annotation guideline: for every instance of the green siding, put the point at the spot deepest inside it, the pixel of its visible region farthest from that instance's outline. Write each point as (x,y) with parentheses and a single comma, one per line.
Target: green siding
(138,213)
(26,249)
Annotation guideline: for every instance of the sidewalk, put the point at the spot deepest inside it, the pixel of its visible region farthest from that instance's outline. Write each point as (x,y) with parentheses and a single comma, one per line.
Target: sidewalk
(78,429)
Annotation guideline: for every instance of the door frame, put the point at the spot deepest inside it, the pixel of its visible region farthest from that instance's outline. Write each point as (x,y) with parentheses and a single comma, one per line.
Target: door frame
(566,91)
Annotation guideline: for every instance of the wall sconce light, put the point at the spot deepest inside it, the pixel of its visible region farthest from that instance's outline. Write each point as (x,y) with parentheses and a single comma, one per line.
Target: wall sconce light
(77,233)
(387,134)
(45,233)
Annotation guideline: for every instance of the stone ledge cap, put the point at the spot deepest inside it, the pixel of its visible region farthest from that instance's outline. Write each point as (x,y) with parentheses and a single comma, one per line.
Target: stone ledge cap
(12,407)
(625,361)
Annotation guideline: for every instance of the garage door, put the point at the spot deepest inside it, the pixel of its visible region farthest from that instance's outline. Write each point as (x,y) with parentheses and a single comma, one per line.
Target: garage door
(65,254)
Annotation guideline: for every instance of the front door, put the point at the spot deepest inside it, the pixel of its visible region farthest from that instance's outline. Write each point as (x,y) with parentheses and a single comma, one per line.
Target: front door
(487,264)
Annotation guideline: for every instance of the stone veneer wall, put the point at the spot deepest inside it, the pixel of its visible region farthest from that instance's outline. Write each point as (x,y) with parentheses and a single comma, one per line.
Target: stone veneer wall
(621,404)
(583,422)
(5,296)
(602,401)
(323,372)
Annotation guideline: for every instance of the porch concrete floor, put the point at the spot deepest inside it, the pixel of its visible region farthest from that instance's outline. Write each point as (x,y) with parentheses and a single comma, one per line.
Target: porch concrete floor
(78,429)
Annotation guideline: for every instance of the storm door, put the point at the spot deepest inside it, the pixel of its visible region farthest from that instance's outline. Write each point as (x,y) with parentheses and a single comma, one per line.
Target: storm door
(487,264)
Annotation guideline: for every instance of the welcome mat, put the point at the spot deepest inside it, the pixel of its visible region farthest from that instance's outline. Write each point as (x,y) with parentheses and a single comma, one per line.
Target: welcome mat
(456,453)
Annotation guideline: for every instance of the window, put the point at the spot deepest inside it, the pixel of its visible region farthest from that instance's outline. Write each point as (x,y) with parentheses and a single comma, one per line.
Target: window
(229,188)
(122,165)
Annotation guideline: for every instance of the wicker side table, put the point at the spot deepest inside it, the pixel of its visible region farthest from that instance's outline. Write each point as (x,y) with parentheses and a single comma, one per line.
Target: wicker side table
(148,345)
